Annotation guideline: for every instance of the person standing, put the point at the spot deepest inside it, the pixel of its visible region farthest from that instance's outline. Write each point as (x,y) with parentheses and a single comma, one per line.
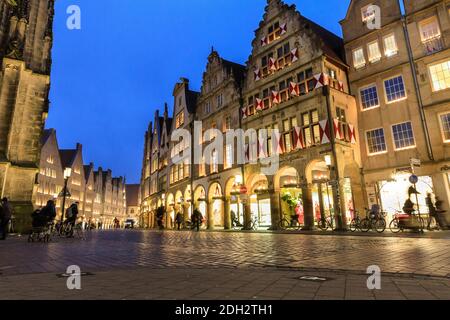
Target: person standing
(431,211)
(198,218)
(179,220)
(5,217)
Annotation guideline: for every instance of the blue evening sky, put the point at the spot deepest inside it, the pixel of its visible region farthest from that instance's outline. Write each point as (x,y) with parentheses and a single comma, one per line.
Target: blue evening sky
(109,77)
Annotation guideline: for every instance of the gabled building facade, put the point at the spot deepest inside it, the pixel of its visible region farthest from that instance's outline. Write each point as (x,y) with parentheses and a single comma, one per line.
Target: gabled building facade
(297,92)
(400,76)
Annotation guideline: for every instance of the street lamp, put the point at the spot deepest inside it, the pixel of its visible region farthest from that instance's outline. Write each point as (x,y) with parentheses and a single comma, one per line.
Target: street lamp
(67,174)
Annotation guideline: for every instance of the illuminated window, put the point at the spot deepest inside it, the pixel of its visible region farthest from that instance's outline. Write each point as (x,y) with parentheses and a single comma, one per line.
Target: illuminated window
(445,123)
(374,52)
(390,46)
(228,156)
(179,120)
(429,29)
(440,75)
(359,60)
(403,136)
(395,89)
(214,162)
(50,159)
(376,143)
(369,97)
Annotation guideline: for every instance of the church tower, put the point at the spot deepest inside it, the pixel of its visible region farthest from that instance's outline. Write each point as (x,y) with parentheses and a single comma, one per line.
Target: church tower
(25,58)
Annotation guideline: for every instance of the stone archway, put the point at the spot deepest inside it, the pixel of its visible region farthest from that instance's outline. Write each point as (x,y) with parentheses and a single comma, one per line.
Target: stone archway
(234,208)
(216,219)
(170,211)
(291,200)
(260,201)
(201,202)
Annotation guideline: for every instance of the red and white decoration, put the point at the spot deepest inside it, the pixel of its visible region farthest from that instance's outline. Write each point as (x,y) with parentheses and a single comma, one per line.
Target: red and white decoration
(294,89)
(264,41)
(341,86)
(294,55)
(352,133)
(262,148)
(298,138)
(257,73)
(321,80)
(244,113)
(277,143)
(259,105)
(276,98)
(283,28)
(324,132)
(273,64)
(337,130)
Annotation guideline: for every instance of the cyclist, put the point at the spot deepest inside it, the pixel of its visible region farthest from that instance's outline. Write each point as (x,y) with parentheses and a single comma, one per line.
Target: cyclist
(72,216)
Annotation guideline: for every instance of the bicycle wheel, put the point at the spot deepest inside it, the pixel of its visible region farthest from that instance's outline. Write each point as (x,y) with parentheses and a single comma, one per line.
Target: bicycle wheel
(365,225)
(284,224)
(394,226)
(380,225)
(323,225)
(354,225)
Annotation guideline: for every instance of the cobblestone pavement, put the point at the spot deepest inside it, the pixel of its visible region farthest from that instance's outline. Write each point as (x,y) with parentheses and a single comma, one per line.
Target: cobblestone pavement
(215,265)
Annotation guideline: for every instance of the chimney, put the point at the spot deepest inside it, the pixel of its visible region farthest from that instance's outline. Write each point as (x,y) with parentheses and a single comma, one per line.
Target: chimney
(166,111)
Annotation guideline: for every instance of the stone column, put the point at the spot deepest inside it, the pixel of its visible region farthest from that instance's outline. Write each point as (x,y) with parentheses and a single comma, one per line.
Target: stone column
(209,214)
(275,208)
(227,214)
(308,207)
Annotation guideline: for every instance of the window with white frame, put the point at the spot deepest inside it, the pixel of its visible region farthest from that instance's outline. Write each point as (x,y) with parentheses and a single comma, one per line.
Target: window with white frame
(403,136)
(374,52)
(390,45)
(445,123)
(214,162)
(359,60)
(440,75)
(429,29)
(228,156)
(369,97)
(376,142)
(395,89)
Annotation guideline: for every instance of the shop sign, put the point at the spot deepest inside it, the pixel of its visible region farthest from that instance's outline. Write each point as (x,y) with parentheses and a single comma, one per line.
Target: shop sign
(243,190)
(413,179)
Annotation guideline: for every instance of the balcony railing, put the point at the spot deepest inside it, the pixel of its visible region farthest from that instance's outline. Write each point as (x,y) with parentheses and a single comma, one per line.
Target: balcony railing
(433,45)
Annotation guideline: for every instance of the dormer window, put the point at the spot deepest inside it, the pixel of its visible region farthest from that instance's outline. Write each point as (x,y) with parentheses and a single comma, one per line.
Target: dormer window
(368,13)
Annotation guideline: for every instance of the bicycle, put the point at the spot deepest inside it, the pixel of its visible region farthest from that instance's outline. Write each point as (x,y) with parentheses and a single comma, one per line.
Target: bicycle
(236,225)
(325,223)
(355,224)
(285,224)
(374,221)
(402,222)
(253,224)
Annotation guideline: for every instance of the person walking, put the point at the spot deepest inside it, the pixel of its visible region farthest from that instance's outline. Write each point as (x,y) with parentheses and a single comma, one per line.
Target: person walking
(198,218)
(179,220)
(5,217)
(432,212)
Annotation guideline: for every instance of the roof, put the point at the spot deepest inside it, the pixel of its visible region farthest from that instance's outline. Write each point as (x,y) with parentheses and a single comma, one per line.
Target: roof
(87,171)
(67,157)
(132,195)
(236,69)
(332,45)
(191,100)
(46,135)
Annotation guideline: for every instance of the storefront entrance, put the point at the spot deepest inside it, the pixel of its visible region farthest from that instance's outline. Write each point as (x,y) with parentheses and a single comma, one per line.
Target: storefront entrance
(260,210)
(393,194)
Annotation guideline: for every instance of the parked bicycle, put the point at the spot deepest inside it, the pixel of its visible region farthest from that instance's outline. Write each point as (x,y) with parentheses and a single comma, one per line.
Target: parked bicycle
(326,223)
(286,224)
(375,220)
(253,224)
(355,224)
